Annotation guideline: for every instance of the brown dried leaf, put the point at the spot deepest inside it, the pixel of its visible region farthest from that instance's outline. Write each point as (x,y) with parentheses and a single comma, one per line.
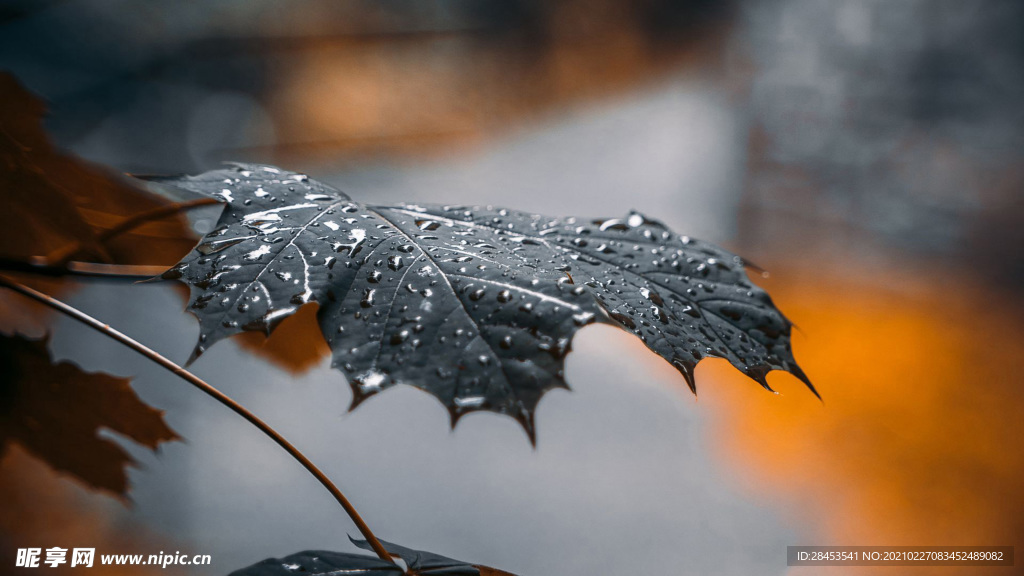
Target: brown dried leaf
(55,410)
(296,345)
(54,201)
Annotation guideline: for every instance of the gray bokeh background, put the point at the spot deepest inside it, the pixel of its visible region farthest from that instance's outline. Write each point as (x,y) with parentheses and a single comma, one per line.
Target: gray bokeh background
(621,468)
(753,124)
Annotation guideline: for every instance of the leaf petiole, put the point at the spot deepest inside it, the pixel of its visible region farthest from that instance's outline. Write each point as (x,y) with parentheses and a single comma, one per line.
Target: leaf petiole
(41,267)
(64,255)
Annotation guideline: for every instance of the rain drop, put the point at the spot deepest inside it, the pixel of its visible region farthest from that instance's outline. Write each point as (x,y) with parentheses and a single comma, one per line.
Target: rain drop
(367,300)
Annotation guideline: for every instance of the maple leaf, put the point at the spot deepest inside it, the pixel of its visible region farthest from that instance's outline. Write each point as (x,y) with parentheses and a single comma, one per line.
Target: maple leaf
(55,411)
(476,305)
(57,206)
(319,562)
(295,345)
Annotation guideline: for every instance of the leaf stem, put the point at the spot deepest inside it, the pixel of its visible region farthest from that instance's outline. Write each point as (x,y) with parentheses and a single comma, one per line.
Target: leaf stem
(210,391)
(63,255)
(94,269)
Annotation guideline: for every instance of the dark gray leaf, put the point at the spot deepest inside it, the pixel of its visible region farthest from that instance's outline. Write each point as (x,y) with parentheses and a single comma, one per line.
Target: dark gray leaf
(476,305)
(321,562)
(424,562)
(318,562)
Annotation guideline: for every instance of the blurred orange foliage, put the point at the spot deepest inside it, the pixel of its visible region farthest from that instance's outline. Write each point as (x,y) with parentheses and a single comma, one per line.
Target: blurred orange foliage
(918,439)
(423,90)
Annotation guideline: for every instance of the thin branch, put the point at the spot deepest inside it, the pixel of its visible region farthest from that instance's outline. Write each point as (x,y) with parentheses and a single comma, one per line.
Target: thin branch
(93,269)
(211,391)
(64,254)
(59,263)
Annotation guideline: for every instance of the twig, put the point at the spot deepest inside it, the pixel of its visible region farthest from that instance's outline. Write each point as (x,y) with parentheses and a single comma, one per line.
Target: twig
(211,391)
(93,269)
(64,254)
(59,263)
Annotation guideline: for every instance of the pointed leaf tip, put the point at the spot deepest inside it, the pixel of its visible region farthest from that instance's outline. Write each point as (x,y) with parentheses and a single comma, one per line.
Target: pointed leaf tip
(799,373)
(687,370)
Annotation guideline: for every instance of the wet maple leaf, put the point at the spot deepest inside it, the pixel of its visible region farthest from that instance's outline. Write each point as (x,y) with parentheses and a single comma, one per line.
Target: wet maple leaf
(475,304)
(324,563)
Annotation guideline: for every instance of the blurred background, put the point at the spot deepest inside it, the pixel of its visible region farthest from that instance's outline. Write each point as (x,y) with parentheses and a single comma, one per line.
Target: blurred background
(867,153)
